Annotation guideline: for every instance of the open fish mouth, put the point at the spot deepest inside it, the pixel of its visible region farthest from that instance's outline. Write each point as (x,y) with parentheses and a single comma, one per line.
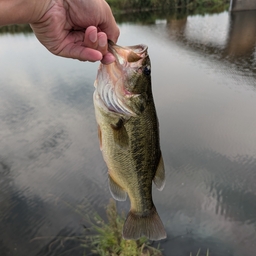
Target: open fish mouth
(109,84)
(129,54)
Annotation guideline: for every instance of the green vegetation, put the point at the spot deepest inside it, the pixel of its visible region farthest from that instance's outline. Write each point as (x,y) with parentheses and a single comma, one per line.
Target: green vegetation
(12,29)
(108,239)
(147,11)
(104,238)
(142,5)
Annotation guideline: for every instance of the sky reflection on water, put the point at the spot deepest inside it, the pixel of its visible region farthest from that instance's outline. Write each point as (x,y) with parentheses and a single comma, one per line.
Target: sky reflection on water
(203,78)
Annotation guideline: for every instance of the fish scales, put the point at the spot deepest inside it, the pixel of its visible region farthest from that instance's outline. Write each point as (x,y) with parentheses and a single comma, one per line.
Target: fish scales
(129,137)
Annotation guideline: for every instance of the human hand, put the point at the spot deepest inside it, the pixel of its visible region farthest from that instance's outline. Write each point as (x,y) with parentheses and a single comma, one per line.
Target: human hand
(77,29)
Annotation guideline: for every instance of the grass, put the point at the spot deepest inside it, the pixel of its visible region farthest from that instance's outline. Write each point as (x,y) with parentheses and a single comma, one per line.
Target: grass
(108,239)
(105,238)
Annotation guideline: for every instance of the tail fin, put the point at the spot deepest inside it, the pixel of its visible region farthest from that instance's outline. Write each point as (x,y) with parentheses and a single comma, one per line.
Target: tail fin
(149,225)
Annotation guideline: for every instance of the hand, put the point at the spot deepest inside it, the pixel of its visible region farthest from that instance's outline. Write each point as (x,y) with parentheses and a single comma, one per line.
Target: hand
(77,29)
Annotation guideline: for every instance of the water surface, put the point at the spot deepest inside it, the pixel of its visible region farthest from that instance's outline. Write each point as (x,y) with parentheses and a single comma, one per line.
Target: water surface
(204,77)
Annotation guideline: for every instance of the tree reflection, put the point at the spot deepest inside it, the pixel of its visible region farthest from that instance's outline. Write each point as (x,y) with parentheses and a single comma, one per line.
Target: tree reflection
(238,47)
(13,29)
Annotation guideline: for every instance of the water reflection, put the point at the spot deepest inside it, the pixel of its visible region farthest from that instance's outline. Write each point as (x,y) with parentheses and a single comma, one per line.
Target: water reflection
(18,215)
(232,36)
(203,75)
(220,182)
(65,242)
(242,34)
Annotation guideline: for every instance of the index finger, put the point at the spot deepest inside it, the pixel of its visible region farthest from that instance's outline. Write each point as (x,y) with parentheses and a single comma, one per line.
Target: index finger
(111,30)
(109,26)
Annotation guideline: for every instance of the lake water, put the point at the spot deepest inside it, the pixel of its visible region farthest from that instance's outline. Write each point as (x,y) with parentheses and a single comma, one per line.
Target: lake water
(51,167)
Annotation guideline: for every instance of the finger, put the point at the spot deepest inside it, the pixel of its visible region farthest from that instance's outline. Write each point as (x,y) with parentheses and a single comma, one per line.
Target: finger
(109,26)
(81,53)
(91,37)
(108,58)
(102,43)
(73,47)
(111,30)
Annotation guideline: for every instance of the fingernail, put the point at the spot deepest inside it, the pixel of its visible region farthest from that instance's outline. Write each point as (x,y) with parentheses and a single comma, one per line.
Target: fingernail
(102,41)
(93,36)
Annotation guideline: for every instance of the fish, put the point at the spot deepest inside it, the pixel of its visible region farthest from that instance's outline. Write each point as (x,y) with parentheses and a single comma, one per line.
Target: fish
(128,132)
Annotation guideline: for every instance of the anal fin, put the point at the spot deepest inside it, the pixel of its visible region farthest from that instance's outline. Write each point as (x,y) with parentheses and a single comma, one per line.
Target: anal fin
(159,178)
(116,191)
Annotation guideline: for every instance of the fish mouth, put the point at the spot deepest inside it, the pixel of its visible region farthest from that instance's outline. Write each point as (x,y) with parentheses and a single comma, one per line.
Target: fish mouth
(110,79)
(129,54)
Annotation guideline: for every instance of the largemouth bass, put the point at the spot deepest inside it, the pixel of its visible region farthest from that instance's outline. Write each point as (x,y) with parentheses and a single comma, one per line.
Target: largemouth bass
(129,137)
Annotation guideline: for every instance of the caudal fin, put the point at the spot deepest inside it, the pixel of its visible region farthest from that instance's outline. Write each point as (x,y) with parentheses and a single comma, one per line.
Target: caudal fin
(149,225)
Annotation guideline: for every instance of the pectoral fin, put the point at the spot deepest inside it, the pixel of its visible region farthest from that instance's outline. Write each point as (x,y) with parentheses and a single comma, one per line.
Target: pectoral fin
(116,191)
(120,134)
(159,178)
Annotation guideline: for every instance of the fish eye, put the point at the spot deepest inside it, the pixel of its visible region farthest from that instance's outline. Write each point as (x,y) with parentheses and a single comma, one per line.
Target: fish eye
(147,70)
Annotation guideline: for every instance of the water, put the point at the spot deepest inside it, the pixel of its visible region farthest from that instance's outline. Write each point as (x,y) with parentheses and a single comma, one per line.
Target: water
(204,78)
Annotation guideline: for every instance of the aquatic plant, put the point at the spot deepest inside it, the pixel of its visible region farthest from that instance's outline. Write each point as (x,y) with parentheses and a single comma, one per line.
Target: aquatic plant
(102,238)
(108,241)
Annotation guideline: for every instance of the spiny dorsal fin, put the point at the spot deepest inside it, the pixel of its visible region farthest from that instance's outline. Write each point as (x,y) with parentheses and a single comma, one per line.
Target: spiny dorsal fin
(159,178)
(116,191)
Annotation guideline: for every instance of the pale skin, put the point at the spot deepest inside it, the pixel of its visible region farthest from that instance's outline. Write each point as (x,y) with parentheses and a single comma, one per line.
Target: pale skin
(77,29)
